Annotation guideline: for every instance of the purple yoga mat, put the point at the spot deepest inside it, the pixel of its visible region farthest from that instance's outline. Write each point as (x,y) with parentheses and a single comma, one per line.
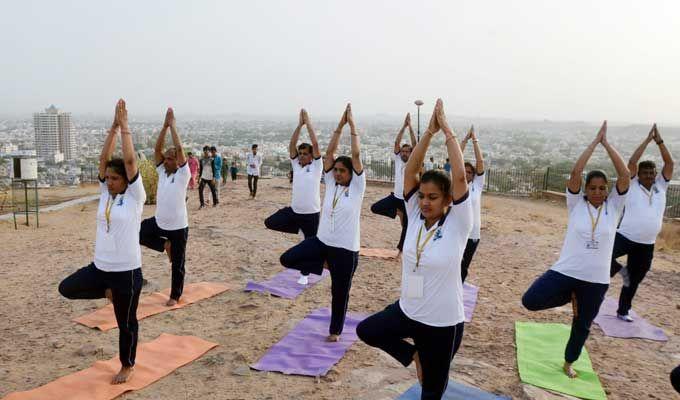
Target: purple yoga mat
(304,350)
(284,284)
(469,300)
(612,326)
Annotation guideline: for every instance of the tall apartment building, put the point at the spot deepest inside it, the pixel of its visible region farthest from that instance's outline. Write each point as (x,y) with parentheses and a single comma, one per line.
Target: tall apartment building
(54,135)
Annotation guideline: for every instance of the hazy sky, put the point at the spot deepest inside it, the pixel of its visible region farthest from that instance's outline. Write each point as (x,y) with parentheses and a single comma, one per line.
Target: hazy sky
(579,60)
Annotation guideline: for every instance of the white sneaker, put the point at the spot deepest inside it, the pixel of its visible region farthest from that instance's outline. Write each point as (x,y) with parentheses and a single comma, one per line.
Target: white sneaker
(303,280)
(625,276)
(626,317)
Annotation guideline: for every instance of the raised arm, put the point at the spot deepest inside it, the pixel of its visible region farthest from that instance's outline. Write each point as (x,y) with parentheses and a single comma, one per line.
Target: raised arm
(458,182)
(667,170)
(108,147)
(179,150)
(622,172)
(160,144)
(333,144)
(637,154)
(574,184)
(400,135)
(479,157)
(354,142)
(415,160)
(316,152)
(292,146)
(411,134)
(463,143)
(129,156)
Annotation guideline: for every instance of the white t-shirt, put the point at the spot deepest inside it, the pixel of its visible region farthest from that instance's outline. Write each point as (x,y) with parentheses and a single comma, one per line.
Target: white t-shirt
(476,188)
(306,186)
(207,171)
(171,194)
(643,215)
(441,303)
(399,167)
(579,258)
(339,227)
(429,165)
(254,162)
(118,249)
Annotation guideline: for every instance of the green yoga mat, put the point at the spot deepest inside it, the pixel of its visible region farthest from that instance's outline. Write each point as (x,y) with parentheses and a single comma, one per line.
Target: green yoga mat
(540,356)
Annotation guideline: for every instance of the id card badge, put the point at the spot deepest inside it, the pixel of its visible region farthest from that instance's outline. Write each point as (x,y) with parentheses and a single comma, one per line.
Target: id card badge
(414,286)
(592,245)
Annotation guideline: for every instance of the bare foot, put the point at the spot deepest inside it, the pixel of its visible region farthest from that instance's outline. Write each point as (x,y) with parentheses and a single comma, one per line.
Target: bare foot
(569,370)
(109,295)
(419,368)
(333,338)
(123,375)
(171,302)
(168,249)
(326,266)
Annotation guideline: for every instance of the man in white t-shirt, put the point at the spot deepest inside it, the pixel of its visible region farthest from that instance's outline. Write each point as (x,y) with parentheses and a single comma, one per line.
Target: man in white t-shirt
(253,164)
(168,229)
(393,205)
(303,213)
(429,164)
(642,220)
(474,174)
(207,173)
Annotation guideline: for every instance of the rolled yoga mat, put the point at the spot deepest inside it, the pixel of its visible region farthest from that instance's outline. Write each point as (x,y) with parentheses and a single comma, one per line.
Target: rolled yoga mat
(284,284)
(104,318)
(155,360)
(305,351)
(540,357)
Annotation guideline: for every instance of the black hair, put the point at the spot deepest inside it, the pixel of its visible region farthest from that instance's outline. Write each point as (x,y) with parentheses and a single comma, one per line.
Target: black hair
(305,146)
(254,146)
(406,145)
(118,166)
(596,174)
(469,164)
(439,178)
(190,154)
(206,148)
(649,164)
(345,161)
(213,148)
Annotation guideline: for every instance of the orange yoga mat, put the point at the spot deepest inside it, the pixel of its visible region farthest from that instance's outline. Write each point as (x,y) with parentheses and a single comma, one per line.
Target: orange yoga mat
(155,360)
(104,318)
(387,254)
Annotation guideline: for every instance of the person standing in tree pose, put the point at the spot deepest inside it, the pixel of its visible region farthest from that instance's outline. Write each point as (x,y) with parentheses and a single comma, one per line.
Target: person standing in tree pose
(254,163)
(337,242)
(581,275)
(305,206)
(642,220)
(116,272)
(474,174)
(168,229)
(430,308)
(393,205)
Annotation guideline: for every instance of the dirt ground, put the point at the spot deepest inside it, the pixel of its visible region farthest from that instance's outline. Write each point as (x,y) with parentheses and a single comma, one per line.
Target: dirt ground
(521,238)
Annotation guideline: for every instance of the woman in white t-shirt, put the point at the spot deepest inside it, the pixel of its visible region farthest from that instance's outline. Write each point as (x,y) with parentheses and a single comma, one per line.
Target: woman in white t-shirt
(474,174)
(336,245)
(430,308)
(116,272)
(581,275)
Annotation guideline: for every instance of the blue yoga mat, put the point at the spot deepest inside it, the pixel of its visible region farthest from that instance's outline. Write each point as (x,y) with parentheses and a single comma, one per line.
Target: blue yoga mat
(455,391)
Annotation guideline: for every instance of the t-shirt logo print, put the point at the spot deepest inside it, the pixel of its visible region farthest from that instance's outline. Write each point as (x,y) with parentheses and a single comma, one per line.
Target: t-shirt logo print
(120,201)
(437,235)
(346,194)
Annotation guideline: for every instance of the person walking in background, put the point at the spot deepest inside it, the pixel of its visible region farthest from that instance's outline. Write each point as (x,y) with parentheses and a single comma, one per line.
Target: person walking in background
(207,173)
(642,220)
(429,165)
(225,170)
(233,170)
(447,166)
(192,161)
(217,159)
(254,163)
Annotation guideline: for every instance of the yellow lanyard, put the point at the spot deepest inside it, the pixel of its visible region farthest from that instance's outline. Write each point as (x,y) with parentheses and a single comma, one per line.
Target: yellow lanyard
(419,248)
(593,220)
(336,197)
(107,212)
(648,193)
